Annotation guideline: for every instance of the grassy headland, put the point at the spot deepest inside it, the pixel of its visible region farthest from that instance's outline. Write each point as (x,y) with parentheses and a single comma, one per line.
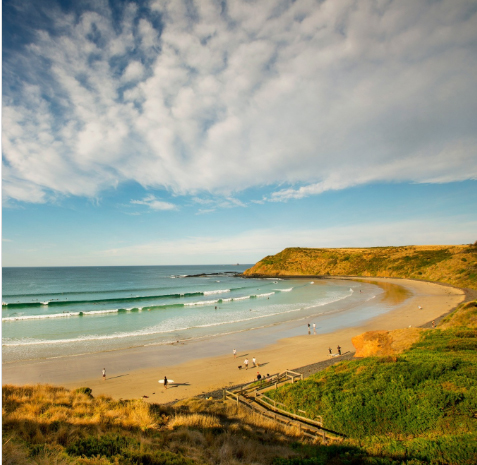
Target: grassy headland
(455,265)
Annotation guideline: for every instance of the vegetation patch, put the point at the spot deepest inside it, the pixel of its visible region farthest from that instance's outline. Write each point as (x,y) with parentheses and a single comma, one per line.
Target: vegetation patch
(420,407)
(456,265)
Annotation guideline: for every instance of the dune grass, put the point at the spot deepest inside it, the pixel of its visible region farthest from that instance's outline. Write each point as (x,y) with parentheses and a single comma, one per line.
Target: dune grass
(47,424)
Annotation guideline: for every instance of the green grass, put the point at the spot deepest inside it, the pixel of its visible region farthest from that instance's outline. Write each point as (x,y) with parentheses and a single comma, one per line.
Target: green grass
(420,406)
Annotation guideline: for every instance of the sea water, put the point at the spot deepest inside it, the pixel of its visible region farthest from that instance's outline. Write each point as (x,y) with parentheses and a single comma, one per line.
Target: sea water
(47,312)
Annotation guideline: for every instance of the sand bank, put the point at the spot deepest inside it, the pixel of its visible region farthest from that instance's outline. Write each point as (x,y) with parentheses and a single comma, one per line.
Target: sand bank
(202,366)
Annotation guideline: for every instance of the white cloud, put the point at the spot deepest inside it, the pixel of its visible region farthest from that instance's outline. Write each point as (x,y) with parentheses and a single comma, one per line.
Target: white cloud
(217,202)
(155,204)
(133,72)
(324,95)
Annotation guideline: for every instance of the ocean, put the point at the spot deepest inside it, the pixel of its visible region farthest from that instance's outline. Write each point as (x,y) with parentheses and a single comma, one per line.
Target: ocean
(48,312)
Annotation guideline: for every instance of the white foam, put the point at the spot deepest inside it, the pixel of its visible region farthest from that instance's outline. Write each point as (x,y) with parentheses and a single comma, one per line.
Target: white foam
(63,315)
(284,290)
(40,317)
(219,291)
(203,302)
(100,312)
(265,295)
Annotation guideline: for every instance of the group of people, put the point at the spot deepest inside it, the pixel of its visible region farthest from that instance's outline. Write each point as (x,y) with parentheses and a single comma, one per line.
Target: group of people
(314,328)
(254,362)
(338,349)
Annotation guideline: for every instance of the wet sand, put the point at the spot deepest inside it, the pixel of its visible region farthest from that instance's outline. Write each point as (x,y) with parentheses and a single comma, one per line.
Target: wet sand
(202,366)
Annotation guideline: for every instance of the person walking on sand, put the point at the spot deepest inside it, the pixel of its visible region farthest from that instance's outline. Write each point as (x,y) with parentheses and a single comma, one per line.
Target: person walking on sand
(254,361)
(235,353)
(246,363)
(104,374)
(165,382)
(314,328)
(330,351)
(339,350)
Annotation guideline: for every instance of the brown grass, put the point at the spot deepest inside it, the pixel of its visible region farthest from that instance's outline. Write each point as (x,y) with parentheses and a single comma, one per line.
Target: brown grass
(40,422)
(465,315)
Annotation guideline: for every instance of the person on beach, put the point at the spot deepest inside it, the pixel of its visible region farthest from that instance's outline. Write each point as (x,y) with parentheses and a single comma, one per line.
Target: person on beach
(246,363)
(433,324)
(254,361)
(259,376)
(235,353)
(309,332)
(165,382)
(339,350)
(104,374)
(330,351)
(314,328)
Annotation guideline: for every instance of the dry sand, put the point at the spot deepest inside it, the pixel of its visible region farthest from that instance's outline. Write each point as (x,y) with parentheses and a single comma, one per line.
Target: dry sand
(204,372)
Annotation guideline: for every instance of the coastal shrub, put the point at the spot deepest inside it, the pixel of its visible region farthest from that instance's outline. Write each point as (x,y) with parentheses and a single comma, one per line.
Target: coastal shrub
(84,390)
(157,457)
(419,408)
(107,445)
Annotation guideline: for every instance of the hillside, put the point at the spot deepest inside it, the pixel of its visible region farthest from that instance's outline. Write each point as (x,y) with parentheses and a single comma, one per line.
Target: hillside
(417,407)
(455,265)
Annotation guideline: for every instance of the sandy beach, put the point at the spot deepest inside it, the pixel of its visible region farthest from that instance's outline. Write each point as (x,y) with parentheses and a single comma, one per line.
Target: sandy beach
(203,366)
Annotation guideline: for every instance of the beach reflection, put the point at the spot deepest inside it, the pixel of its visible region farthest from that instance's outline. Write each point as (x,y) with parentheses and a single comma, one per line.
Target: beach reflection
(393,293)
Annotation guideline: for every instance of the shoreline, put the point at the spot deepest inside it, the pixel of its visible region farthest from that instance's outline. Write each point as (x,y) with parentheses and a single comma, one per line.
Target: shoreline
(205,367)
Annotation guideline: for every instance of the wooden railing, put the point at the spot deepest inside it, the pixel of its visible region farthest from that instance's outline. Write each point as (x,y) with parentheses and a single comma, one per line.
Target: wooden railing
(282,408)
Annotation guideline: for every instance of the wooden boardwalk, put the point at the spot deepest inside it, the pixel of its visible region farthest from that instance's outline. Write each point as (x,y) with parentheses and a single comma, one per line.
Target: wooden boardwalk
(253,396)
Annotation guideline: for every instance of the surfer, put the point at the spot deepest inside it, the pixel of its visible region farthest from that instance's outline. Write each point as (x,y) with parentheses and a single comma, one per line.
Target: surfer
(104,374)
(165,382)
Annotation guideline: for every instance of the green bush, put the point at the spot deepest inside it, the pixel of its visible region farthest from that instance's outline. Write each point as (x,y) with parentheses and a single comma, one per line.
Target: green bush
(107,446)
(84,390)
(420,407)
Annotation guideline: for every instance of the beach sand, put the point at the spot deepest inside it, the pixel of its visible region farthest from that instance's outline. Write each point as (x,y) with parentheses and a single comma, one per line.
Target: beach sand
(202,366)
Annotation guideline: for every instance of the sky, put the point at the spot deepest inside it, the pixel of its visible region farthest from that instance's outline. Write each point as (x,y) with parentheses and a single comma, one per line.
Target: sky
(207,132)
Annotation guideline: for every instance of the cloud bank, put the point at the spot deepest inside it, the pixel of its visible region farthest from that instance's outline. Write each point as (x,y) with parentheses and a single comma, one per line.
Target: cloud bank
(202,96)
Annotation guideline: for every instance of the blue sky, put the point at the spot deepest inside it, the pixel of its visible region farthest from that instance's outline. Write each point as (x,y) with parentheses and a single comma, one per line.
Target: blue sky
(182,132)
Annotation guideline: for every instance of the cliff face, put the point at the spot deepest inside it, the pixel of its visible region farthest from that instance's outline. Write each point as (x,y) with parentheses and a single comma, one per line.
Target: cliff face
(456,265)
(385,343)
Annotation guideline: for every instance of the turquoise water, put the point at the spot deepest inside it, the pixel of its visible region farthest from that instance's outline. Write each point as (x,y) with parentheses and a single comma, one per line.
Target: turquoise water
(75,310)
